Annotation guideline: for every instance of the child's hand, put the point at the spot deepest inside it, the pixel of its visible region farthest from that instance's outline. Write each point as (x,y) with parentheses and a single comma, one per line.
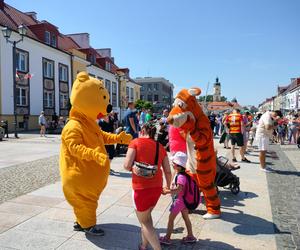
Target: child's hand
(165,191)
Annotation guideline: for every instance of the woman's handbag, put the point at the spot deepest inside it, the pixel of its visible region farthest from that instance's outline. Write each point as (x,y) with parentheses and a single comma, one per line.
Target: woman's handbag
(147,170)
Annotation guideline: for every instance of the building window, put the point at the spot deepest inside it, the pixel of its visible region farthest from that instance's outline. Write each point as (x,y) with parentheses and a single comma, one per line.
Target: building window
(107,85)
(63,73)
(22,96)
(155,87)
(114,94)
(142,97)
(53,40)
(131,94)
(142,88)
(22,61)
(92,58)
(48,99)
(107,66)
(127,92)
(149,98)
(63,100)
(47,37)
(48,67)
(149,87)
(156,98)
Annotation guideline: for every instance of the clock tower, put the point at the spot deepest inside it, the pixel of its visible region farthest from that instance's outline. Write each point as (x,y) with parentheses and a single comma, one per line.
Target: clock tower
(217,91)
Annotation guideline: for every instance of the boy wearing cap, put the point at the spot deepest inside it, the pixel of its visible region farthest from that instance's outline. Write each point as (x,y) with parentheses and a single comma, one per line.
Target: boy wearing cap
(177,191)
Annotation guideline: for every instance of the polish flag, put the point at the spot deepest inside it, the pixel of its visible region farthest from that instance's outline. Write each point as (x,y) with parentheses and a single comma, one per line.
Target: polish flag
(28,76)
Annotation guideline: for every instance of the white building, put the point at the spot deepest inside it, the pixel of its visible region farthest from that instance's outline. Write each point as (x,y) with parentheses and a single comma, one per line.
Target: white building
(42,80)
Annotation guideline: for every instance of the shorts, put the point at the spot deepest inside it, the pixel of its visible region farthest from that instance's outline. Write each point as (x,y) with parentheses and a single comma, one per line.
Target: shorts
(177,206)
(237,138)
(143,199)
(245,137)
(262,143)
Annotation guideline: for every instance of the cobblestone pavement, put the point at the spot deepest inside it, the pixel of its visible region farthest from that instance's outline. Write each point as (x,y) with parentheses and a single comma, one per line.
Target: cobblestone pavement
(27,177)
(284,189)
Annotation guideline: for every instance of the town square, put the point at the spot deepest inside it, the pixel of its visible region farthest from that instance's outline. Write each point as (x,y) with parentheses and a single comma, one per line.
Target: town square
(149,125)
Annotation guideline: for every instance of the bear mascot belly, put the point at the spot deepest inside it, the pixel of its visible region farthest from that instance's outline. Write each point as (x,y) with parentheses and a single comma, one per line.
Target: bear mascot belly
(84,165)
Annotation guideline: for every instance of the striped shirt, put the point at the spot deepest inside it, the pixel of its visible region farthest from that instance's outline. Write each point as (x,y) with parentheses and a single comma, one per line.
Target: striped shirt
(235,123)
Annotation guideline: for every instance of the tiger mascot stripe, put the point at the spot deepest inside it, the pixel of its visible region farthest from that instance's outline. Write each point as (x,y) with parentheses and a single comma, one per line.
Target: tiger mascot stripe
(188,115)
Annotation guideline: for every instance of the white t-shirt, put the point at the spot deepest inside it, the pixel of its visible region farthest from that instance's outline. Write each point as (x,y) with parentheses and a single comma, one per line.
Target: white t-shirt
(265,119)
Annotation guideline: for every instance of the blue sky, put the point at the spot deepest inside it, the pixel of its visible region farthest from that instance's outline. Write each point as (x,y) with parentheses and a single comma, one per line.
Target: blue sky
(251,45)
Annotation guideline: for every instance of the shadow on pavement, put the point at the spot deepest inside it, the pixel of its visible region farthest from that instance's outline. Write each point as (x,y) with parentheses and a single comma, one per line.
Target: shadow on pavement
(120,174)
(247,224)
(125,236)
(229,199)
(283,172)
(200,244)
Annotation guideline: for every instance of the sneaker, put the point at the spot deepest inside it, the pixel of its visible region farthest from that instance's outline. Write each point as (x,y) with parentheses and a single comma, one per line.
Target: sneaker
(234,160)
(189,239)
(94,231)
(246,160)
(77,227)
(164,240)
(209,216)
(267,169)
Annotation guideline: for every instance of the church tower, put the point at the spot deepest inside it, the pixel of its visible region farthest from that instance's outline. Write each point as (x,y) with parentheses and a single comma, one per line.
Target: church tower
(217,91)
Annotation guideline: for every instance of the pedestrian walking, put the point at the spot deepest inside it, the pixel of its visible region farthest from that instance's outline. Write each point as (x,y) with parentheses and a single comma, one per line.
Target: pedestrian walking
(181,191)
(235,124)
(147,181)
(263,134)
(42,123)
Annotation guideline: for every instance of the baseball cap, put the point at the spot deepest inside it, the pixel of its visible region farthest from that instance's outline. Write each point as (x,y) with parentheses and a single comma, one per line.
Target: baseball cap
(179,158)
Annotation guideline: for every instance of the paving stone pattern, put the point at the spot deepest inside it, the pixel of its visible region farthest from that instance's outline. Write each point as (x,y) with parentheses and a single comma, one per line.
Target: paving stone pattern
(27,177)
(284,189)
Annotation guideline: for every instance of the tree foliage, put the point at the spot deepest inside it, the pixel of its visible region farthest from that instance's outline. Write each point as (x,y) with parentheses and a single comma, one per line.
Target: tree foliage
(209,98)
(139,104)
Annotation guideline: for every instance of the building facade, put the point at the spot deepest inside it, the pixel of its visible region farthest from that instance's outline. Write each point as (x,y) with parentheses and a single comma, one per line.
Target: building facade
(47,63)
(156,90)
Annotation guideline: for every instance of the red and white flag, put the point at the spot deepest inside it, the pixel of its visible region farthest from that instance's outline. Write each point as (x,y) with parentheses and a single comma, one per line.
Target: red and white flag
(28,76)
(17,76)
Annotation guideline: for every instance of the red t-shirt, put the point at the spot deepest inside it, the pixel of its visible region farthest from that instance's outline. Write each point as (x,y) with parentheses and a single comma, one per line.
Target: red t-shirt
(145,152)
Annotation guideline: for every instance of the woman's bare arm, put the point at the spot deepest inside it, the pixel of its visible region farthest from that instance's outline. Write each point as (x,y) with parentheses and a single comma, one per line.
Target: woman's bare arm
(129,159)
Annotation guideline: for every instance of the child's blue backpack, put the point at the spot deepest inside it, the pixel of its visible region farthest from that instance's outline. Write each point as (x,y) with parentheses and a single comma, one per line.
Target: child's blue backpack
(191,196)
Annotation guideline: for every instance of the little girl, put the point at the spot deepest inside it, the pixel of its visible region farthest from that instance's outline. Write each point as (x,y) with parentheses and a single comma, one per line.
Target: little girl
(177,191)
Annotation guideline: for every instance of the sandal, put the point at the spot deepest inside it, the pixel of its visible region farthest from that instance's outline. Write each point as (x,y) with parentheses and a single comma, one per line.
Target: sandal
(189,239)
(142,248)
(164,240)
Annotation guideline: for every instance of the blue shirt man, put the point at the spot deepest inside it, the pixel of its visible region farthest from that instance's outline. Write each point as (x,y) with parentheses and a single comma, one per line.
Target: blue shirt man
(131,121)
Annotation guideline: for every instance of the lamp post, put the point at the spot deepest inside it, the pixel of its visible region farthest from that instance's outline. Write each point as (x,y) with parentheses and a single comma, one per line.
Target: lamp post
(22,30)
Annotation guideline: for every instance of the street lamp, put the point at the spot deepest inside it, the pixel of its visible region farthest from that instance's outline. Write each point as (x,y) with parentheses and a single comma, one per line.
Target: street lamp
(22,30)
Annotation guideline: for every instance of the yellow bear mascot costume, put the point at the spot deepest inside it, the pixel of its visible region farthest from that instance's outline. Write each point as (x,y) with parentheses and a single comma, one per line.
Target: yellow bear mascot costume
(84,165)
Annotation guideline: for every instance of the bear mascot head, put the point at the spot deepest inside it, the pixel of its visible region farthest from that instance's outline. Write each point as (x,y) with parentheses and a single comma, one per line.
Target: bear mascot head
(90,97)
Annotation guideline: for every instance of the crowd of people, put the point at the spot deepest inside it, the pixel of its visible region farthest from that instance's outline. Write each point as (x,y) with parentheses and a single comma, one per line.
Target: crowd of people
(234,128)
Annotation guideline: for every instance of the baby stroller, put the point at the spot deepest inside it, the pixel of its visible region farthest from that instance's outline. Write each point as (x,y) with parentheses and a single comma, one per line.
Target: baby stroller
(225,178)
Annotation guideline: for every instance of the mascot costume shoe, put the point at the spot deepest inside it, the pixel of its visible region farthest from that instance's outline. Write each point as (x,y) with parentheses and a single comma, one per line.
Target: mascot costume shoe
(84,165)
(188,115)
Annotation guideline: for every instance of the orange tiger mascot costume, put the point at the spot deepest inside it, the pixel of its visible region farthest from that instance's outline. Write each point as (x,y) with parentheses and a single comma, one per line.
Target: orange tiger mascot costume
(188,115)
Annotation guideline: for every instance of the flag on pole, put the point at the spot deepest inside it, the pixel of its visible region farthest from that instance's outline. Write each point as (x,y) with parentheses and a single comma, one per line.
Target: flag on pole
(28,76)
(17,76)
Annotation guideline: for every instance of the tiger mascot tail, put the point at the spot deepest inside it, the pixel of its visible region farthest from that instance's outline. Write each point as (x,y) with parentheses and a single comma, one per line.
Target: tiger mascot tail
(188,115)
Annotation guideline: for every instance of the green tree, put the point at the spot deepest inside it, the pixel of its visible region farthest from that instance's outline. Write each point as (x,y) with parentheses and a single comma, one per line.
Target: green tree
(139,104)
